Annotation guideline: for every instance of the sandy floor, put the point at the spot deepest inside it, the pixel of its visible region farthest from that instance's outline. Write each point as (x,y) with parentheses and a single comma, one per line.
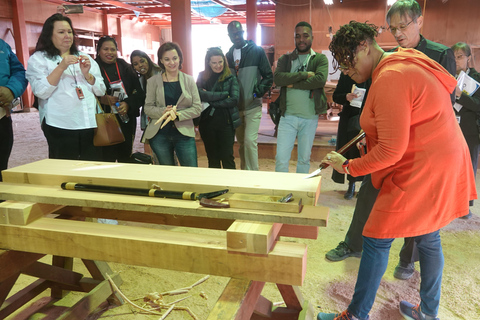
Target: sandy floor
(328,286)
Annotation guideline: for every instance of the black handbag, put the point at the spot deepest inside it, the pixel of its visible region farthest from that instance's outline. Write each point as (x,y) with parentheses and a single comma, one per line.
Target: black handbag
(274,111)
(139,157)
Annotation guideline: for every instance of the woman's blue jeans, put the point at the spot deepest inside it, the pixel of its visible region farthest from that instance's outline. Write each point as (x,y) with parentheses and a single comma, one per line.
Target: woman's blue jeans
(374,263)
(169,141)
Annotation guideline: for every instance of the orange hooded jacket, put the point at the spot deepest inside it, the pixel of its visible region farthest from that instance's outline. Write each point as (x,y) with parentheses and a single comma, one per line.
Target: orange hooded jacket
(417,154)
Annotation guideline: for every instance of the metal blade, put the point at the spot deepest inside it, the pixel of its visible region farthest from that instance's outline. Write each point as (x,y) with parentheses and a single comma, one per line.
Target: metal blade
(315,173)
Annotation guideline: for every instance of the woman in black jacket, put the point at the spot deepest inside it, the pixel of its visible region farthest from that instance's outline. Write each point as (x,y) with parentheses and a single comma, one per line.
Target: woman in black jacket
(219,93)
(348,126)
(123,87)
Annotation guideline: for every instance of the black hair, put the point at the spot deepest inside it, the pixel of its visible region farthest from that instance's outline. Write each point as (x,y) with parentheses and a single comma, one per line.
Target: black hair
(410,8)
(151,66)
(104,39)
(347,39)
(234,25)
(44,42)
(304,24)
(167,46)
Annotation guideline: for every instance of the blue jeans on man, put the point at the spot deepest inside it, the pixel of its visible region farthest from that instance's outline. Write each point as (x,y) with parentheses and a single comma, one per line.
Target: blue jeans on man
(169,141)
(289,129)
(374,263)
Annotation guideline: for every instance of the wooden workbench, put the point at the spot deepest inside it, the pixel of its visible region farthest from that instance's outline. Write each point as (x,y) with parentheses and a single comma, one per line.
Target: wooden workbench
(249,250)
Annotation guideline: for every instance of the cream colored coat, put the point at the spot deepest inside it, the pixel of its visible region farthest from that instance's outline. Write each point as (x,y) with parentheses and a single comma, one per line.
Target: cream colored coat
(188,105)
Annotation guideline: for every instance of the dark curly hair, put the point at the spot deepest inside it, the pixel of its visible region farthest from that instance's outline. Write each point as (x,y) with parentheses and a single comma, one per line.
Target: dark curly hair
(44,42)
(346,40)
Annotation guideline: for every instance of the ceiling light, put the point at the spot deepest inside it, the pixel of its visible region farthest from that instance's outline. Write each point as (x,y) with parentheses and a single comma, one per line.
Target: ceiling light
(391,2)
(328,2)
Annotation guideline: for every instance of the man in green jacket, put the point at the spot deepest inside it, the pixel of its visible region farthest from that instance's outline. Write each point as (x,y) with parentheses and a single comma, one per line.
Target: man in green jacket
(302,75)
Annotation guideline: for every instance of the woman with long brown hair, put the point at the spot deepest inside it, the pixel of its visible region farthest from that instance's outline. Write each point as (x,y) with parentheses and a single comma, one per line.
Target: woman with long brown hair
(218,90)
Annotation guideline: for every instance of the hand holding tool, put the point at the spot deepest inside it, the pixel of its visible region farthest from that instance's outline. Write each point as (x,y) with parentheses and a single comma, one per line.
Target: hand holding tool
(342,151)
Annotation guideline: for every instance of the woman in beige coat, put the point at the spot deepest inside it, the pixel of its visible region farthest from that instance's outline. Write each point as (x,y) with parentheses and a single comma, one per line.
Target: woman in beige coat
(173,97)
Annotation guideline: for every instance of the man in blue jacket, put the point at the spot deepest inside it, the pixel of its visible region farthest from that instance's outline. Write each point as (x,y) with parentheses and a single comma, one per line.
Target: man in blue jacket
(12,85)
(250,64)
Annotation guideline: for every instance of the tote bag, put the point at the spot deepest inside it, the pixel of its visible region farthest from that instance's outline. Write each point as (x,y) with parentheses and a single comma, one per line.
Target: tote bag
(108,131)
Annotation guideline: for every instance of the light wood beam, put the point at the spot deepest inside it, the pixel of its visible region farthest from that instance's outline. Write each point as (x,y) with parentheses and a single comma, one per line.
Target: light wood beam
(310,215)
(252,237)
(54,172)
(22,213)
(205,254)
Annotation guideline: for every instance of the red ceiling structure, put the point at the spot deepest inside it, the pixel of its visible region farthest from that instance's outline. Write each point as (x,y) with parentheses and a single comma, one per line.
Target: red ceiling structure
(158,12)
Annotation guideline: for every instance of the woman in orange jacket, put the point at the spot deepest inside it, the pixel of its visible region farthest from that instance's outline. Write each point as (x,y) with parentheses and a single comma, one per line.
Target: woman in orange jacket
(417,158)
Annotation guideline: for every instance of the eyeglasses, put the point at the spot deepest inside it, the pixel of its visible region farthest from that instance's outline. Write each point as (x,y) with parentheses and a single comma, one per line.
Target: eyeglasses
(401,27)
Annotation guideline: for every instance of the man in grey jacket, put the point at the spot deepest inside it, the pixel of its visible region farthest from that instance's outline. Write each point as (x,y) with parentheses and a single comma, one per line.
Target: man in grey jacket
(250,65)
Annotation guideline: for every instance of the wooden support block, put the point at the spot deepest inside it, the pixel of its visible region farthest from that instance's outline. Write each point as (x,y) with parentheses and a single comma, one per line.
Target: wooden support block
(304,232)
(150,217)
(52,273)
(6,286)
(22,213)
(99,270)
(13,262)
(237,301)
(63,262)
(264,202)
(252,237)
(263,307)
(3,213)
(199,253)
(89,302)
(310,216)
(22,297)
(292,296)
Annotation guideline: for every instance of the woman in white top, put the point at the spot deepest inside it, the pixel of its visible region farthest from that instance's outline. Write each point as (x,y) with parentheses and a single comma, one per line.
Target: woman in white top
(65,81)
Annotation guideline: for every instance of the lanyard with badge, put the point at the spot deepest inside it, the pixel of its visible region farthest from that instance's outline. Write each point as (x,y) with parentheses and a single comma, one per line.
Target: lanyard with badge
(118,89)
(78,90)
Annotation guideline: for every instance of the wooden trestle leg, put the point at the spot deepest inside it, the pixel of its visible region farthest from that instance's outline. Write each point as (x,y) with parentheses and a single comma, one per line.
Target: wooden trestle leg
(58,277)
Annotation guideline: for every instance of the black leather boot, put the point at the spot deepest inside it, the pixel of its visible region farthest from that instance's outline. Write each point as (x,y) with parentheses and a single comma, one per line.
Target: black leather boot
(351,191)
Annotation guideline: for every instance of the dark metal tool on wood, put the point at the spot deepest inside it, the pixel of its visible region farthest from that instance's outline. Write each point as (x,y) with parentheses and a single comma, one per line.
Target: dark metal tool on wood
(287,198)
(186,195)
